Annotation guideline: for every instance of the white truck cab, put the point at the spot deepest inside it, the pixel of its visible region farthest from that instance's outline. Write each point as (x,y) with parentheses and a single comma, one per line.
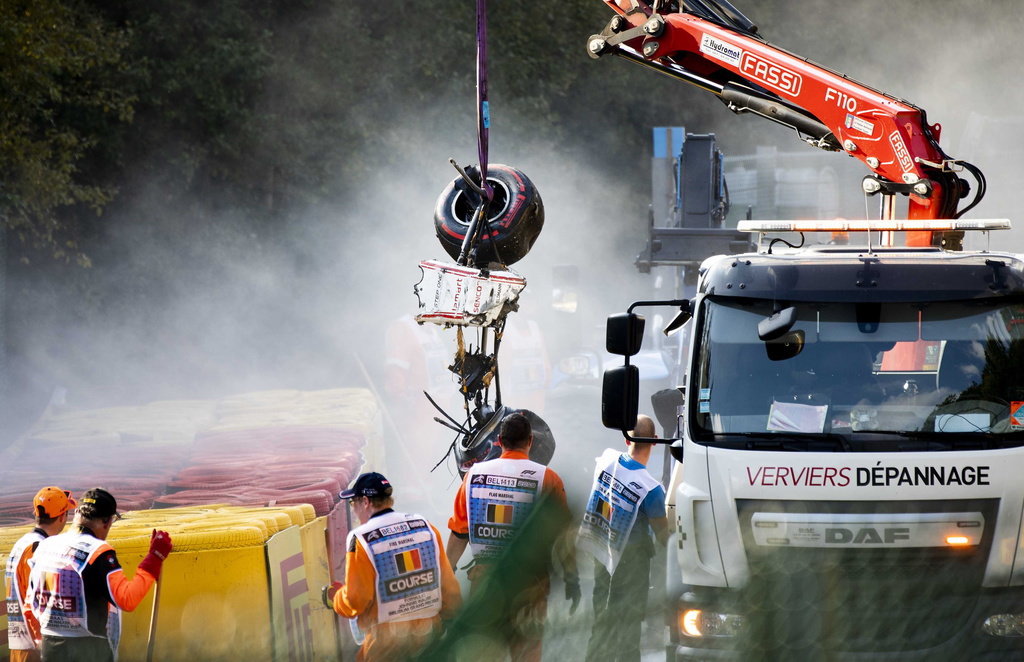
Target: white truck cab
(850,475)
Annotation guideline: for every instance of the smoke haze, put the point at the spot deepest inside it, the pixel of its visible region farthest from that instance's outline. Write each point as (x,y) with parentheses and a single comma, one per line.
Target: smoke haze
(193,303)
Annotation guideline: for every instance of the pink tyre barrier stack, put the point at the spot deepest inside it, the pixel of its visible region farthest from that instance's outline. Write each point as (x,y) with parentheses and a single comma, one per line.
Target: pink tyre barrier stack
(267,466)
(81,467)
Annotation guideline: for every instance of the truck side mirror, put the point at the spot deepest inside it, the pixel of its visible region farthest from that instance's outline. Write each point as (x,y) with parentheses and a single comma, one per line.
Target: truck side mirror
(676,449)
(681,318)
(620,397)
(624,334)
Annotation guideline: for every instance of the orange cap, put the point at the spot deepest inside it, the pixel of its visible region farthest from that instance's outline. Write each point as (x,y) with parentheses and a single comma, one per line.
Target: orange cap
(53,502)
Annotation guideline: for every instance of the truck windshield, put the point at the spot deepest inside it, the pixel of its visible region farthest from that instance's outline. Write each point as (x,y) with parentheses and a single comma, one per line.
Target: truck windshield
(931,369)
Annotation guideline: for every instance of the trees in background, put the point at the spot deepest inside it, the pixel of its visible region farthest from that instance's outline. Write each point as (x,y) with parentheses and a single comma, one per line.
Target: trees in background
(262,106)
(227,153)
(61,76)
(266,106)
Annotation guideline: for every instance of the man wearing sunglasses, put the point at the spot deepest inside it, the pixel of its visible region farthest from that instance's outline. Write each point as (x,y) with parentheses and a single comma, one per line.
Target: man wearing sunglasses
(398,584)
(77,589)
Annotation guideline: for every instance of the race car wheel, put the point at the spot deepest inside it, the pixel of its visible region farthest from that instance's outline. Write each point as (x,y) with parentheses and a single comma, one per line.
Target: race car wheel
(481,444)
(543,448)
(515,216)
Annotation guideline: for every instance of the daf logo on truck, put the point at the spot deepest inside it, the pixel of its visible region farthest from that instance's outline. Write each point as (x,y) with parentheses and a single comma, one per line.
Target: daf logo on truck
(771,74)
(866,535)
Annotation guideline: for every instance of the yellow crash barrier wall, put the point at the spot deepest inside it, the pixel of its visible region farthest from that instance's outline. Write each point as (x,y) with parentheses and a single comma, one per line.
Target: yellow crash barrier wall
(318,574)
(241,584)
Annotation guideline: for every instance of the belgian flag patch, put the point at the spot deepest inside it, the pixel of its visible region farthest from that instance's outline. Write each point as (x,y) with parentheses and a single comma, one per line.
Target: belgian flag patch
(499,514)
(408,561)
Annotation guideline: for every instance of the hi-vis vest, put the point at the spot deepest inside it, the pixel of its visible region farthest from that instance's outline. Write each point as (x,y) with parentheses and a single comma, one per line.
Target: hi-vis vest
(405,553)
(612,508)
(501,494)
(18,636)
(56,591)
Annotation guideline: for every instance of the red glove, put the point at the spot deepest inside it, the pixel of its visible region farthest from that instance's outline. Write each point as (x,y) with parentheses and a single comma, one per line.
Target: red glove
(159,547)
(160,544)
(328,592)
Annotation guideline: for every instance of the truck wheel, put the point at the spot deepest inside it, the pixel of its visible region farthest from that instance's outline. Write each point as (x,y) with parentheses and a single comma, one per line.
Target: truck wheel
(515,216)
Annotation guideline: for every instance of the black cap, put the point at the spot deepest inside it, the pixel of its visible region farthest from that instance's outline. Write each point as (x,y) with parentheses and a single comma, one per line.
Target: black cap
(371,485)
(98,503)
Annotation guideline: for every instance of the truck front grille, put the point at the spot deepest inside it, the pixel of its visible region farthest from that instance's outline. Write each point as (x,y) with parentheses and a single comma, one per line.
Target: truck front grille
(862,600)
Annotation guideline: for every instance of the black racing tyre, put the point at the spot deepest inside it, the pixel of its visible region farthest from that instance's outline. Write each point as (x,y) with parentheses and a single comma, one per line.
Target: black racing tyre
(543,448)
(515,216)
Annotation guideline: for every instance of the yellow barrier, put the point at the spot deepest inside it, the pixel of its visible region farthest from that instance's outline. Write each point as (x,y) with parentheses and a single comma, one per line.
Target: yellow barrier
(318,574)
(241,584)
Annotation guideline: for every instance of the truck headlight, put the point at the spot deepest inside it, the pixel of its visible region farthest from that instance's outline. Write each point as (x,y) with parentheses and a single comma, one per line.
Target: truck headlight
(1004,625)
(700,623)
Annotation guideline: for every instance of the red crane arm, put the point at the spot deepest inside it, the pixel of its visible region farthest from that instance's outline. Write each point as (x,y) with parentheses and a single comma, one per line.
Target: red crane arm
(721,52)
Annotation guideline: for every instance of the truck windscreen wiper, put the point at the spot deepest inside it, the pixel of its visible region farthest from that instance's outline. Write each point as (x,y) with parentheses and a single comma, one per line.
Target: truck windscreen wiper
(785,441)
(953,441)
